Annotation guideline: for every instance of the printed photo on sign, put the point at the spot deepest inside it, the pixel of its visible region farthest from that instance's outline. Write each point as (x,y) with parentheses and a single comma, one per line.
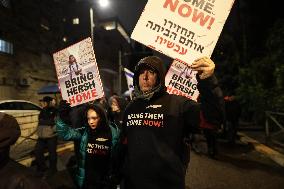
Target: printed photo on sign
(184,30)
(181,80)
(78,74)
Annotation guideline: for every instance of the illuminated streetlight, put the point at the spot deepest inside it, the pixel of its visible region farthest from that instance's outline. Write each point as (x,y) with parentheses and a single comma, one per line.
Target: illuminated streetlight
(104,3)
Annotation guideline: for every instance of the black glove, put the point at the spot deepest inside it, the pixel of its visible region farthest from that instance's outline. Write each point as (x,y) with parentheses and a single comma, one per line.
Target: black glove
(64,111)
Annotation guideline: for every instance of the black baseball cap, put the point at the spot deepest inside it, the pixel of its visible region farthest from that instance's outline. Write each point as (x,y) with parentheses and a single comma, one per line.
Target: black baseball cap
(46,99)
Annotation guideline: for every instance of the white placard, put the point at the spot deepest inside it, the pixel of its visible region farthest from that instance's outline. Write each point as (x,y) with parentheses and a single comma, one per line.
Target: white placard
(182,29)
(181,80)
(78,74)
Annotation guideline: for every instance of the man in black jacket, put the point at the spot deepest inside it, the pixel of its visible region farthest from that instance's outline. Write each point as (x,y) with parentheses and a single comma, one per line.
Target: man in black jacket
(155,124)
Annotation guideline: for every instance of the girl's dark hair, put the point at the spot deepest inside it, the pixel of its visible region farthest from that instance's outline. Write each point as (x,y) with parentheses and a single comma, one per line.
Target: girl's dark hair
(103,123)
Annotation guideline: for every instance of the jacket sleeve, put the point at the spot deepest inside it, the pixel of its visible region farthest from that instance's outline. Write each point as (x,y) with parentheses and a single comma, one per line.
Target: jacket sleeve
(115,135)
(65,132)
(211,99)
(115,163)
(118,154)
(191,117)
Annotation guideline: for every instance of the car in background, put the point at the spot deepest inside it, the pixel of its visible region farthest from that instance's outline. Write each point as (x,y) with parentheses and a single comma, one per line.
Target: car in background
(26,113)
(18,106)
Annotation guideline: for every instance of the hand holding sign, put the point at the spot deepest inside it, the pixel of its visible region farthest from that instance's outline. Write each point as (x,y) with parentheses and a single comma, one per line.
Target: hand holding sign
(204,67)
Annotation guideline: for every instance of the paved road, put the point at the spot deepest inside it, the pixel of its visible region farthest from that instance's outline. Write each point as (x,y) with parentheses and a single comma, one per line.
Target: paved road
(239,167)
(236,167)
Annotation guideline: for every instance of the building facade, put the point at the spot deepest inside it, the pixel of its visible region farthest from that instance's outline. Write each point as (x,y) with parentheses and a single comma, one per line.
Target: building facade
(32,30)
(29,33)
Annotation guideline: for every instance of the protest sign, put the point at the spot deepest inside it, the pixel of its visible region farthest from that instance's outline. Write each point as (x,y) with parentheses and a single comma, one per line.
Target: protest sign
(78,74)
(181,80)
(182,29)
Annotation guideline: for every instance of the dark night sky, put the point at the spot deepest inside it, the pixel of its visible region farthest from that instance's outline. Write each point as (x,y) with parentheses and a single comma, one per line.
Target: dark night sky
(261,12)
(258,17)
(128,11)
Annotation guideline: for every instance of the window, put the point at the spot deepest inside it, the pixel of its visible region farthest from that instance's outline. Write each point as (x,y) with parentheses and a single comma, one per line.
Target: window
(28,106)
(6,47)
(18,106)
(109,25)
(44,23)
(76,21)
(8,106)
(44,26)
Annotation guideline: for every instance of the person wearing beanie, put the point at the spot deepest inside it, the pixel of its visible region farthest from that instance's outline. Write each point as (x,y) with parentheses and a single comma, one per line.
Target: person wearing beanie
(12,174)
(155,124)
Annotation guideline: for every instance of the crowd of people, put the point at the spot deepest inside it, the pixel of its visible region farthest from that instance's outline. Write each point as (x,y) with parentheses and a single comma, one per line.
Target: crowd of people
(142,143)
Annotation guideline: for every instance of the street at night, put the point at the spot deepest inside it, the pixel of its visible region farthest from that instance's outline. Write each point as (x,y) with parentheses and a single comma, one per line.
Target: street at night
(141,94)
(240,166)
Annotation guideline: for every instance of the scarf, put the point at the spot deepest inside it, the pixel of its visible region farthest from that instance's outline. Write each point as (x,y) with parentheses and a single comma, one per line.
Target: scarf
(138,94)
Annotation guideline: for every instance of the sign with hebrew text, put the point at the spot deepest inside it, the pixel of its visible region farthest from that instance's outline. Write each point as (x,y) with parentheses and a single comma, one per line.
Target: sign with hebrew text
(182,29)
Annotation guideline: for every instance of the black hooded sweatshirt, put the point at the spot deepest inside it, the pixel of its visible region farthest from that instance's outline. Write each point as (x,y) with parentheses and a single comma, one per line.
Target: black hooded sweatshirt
(155,129)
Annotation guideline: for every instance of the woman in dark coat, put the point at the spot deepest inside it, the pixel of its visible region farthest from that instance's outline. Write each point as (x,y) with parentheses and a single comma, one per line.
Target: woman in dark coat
(97,145)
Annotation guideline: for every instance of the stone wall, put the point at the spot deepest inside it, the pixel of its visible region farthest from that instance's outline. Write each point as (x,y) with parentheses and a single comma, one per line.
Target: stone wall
(28,122)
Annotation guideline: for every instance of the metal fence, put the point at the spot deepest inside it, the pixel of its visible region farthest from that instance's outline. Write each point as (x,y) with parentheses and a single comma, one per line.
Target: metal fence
(274,130)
